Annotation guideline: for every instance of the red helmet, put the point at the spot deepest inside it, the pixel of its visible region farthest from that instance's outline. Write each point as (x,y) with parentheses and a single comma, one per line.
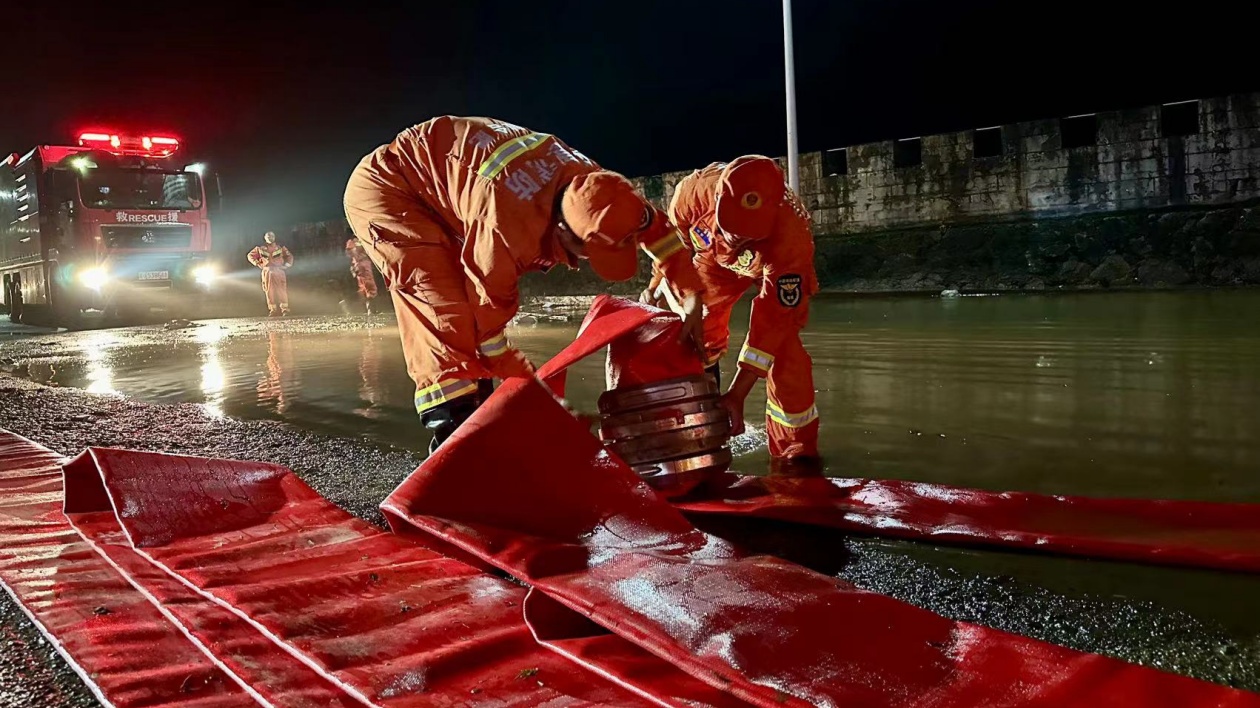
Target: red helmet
(749,195)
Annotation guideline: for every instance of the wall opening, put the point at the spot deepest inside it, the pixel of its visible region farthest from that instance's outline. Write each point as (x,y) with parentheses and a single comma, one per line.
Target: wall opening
(654,187)
(1079,131)
(987,142)
(1179,119)
(908,152)
(836,162)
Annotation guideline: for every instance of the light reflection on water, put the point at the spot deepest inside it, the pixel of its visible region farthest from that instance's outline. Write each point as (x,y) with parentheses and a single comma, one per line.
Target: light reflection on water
(1135,394)
(96,355)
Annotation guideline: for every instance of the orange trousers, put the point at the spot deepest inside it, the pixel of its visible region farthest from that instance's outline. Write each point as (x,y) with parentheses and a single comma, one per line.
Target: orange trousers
(432,298)
(275,283)
(362,272)
(791,413)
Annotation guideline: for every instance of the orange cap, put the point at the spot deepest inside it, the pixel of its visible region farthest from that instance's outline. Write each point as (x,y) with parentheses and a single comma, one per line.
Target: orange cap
(603,210)
(749,196)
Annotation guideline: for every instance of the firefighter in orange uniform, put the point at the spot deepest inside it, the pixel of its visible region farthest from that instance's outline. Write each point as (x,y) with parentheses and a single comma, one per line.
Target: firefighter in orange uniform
(361,269)
(455,210)
(273,260)
(747,229)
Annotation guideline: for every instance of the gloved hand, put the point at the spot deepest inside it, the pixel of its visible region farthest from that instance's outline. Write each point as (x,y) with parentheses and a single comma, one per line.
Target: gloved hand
(734,405)
(693,323)
(734,398)
(511,364)
(655,299)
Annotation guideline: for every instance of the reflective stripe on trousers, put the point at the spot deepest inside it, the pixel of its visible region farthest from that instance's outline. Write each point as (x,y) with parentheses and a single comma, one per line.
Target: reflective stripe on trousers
(443,391)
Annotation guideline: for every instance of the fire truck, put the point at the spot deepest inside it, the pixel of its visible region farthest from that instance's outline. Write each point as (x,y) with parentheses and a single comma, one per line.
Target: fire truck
(111,227)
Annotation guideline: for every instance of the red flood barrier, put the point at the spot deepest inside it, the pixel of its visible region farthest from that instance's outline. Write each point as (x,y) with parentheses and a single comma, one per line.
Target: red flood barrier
(337,608)
(1186,533)
(173,580)
(577,524)
(109,633)
(196,582)
(1182,533)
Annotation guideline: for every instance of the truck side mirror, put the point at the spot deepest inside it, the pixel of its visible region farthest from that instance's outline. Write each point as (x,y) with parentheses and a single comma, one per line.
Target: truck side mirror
(214,195)
(60,234)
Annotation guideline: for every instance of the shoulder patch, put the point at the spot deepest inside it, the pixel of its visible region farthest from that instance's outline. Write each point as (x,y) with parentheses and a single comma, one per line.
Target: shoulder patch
(789,289)
(701,238)
(744,263)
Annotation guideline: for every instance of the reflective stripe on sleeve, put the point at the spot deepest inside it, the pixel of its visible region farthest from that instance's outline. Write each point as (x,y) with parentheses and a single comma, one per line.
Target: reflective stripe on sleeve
(756,358)
(495,345)
(665,247)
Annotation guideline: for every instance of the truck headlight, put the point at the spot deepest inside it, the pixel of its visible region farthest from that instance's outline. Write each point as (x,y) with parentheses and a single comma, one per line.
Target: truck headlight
(205,274)
(94,278)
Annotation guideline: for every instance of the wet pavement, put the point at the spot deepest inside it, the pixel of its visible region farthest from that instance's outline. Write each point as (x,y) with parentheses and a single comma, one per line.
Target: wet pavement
(1134,394)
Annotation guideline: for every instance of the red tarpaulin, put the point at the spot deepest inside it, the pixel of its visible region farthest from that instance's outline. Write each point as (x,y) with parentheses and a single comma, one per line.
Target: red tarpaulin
(335,605)
(577,524)
(197,582)
(112,636)
(1186,533)
(193,582)
(1202,534)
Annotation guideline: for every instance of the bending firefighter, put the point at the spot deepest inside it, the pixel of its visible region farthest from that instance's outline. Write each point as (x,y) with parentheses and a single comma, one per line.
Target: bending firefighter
(748,229)
(273,260)
(455,210)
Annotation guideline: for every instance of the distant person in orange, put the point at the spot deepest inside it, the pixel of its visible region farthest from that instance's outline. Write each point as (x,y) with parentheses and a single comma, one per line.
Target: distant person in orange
(362,270)
(748,230)
(273,260)
(455,210)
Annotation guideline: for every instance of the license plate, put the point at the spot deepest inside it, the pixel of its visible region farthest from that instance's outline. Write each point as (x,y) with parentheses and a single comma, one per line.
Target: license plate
(155,275)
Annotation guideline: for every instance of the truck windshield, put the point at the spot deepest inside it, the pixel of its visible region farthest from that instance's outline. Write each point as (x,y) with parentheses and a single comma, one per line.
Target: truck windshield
(114,188)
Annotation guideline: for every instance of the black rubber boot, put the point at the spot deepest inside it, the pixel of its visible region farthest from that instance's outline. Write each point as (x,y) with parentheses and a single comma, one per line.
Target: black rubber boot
(445,418)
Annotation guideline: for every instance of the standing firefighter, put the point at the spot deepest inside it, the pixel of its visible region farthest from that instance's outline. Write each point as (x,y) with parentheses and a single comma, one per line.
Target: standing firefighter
(361,268)
(455,210)
(273,260)
(748,229)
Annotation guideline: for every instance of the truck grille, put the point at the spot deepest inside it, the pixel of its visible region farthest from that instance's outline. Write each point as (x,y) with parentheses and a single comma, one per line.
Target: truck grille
(179,236)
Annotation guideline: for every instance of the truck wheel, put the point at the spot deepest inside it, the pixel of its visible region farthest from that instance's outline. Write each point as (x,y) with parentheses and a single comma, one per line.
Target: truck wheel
(15,302)
(65,311)
(118,315)
(128,314)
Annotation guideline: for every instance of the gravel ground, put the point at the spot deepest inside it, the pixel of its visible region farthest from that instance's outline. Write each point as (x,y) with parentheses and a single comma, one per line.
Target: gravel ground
(357,474)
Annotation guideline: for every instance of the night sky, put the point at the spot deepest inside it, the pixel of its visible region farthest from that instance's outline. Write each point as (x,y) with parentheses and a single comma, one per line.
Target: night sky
(282,102)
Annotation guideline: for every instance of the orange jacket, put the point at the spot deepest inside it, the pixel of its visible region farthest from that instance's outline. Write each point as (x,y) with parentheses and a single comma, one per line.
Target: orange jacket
(270,255)
(784,263)
(496,188)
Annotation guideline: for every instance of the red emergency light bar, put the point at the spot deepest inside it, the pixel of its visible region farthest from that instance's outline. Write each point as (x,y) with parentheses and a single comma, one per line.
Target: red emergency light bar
(155,146)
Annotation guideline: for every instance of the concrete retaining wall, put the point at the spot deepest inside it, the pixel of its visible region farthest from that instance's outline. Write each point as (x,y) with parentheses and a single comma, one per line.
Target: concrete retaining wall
(1136,161)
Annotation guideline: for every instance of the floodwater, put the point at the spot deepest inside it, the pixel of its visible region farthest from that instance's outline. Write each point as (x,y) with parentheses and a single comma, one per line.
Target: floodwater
(1112,394)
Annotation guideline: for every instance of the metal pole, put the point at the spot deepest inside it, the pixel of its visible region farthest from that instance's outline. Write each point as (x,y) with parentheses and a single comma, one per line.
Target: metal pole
(794,168)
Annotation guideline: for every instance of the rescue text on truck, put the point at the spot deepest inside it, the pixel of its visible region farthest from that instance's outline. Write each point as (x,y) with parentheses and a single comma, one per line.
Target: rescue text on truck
(110,226)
